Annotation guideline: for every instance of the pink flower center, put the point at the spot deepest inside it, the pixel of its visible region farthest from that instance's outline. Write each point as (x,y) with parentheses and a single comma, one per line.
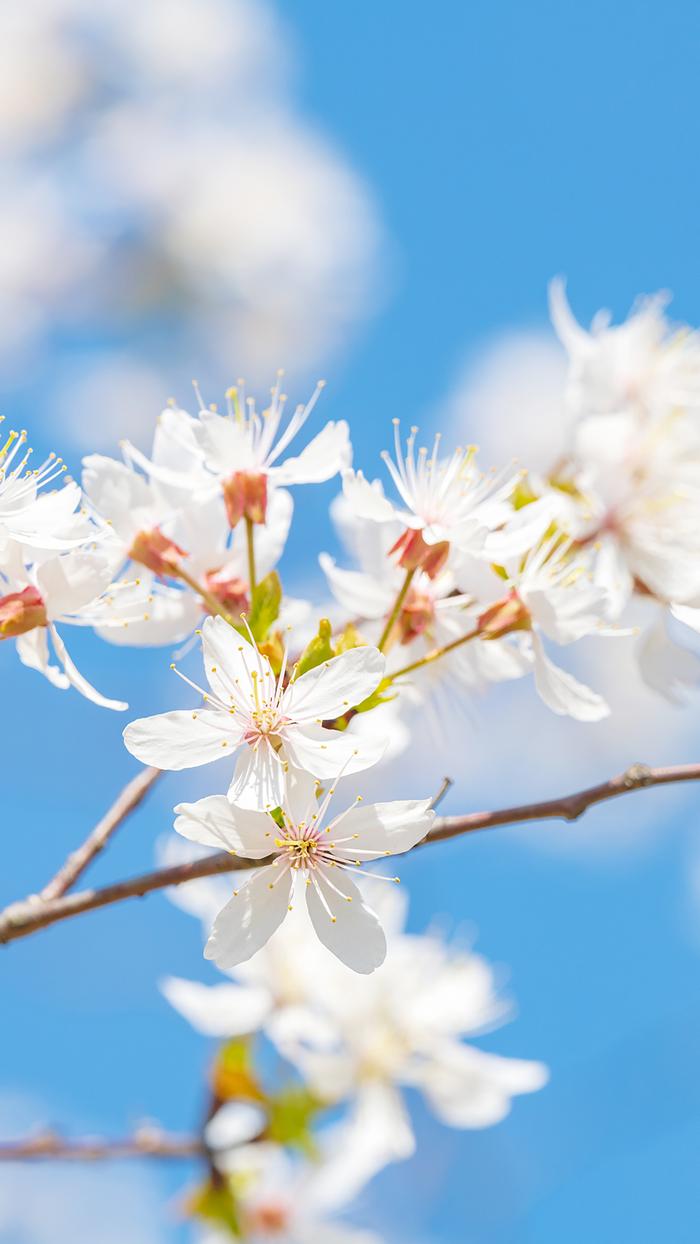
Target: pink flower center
(245,495)
(21,612)
(157,552)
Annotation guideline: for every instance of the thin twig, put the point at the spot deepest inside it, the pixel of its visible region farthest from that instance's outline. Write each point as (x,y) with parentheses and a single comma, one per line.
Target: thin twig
(27,917)
(445,785)
(125,803)
(146,1142)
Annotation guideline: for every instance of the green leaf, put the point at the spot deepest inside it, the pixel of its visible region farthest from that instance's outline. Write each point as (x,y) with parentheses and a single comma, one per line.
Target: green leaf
(377,697)
(233,1074)
(265,605)
(318,649)
(292,1112)
(348,639)
(216,1203)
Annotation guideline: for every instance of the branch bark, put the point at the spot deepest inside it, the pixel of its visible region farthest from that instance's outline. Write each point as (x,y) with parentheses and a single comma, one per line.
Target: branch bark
(148,1142)
(21,919)
(125,803)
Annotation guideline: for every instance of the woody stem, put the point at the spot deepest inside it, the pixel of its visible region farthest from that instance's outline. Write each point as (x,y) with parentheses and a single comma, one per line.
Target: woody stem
(391,620)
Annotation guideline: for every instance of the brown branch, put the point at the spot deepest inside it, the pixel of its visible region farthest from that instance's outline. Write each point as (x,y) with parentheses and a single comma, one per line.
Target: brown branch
(27,917)
(146,1142)
(125,803)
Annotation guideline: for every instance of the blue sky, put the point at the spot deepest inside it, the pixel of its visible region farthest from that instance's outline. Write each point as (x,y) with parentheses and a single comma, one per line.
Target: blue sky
(503,144)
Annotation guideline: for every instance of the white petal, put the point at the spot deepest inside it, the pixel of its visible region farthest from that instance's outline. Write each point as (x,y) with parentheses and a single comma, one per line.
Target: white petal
(329,689)
(566,614)
(522,531)
(469,1088)
(367,499)
(351,931)
(568,329)
(358,593)
(178,740)
(258,779)
(218,1010)
(562,693)
(250,918)
(665,666)
(324,753)
(33,651)
(378,1132)
(117,492)
(235,1123)
(172,616)
(299,800)
(328,453)
(68,583)
(497,660)
(226,444)
(214,822)
(612,574)
(77,680)
(367,542)
(688,615)
(384,827)
(230,663)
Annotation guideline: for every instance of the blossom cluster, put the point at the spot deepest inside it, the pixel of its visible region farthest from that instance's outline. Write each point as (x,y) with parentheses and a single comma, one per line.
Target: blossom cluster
(461,576)
(354,1043)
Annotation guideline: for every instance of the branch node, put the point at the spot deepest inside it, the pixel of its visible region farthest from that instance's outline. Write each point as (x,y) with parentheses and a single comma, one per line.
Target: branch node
(637,775)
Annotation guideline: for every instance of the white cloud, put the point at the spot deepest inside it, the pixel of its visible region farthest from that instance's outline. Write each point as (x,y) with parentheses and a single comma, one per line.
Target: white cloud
(103,400)
(508,398)
(187,214)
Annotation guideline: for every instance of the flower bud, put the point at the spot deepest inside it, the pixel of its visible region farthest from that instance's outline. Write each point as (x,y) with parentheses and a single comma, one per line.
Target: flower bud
(416,615)
(416,554)
(245,496)
(21,612)
(505,615)
(229,590)
(157,552)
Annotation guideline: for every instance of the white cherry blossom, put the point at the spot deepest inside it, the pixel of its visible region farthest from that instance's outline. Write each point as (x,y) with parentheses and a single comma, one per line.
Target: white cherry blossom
(434,611)
(282,1198)
(441,500)
(251,442)
(156,523)
(30,516)
(405,1026)
(272,722)
(238,452)
(73,589)
(645,365)
(307,854)
(552,593)
(637,499)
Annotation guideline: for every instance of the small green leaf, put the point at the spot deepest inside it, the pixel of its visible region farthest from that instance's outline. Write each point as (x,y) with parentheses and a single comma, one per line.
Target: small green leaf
(215,1202)
(292,1112)
(265,605)
(233,1073)
(377,697)
(348,639)
(318,649)
(273,649)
